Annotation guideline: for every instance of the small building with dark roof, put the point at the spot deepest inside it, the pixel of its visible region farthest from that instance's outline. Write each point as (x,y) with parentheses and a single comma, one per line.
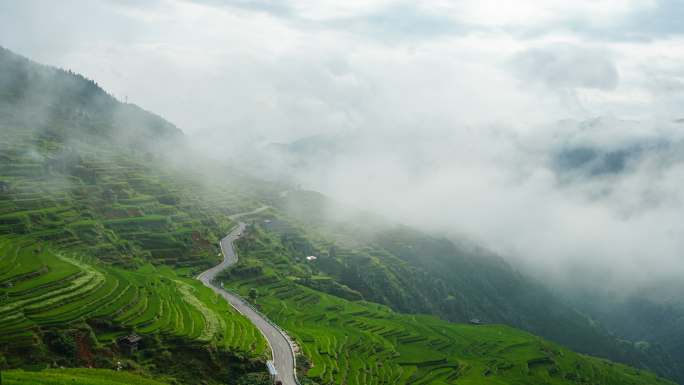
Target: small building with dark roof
(129,343)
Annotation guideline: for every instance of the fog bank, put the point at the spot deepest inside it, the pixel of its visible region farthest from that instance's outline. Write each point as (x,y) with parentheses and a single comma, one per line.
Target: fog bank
(549,132)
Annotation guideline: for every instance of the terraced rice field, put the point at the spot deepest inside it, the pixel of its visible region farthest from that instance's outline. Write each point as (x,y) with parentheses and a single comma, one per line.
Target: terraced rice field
(75,377)
(113,202)
(42,287)
(360,343)
(106,239)
(354,342)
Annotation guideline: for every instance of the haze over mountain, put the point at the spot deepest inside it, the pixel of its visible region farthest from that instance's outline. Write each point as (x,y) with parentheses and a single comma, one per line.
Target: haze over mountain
(571,202)
(564,114)
(520,164)
(101,231)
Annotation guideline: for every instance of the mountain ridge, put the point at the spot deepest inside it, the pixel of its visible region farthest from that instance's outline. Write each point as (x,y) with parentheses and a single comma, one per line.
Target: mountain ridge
(54,95)
(109,235)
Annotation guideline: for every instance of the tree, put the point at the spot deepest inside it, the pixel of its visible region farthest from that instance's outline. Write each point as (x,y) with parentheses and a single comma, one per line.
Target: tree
(253,294)
(255,379)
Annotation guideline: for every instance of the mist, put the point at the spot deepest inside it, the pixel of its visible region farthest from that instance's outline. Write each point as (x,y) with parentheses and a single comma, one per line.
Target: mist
(549,134)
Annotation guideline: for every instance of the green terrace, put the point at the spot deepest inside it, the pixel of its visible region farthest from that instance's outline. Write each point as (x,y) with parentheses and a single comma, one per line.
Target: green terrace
(117,207)
(100,238)
(75,377)
(100,243)
(356,342)
(41,287)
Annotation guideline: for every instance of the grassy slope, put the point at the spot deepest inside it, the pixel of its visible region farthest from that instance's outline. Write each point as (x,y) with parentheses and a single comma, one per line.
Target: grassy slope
(99,237)
(51,288)
(75,377)
(114,255)
(415,272)
(357,342)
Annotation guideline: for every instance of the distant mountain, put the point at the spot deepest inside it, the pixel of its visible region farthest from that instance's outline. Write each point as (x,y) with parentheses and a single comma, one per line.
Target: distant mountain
(649,317)
(64,104)
(100,240)
(465,282)
(100,237)
(351,341)
(311,151)
(415,272)
(603,147)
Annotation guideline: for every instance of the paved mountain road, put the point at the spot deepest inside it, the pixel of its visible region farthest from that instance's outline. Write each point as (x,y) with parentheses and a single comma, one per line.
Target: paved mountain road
(283,356)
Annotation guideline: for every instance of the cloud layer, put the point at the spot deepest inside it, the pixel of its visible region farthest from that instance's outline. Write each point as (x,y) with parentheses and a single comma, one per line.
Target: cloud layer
(544,130)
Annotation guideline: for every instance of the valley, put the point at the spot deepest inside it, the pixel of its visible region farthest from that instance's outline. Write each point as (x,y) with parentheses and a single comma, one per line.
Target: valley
(114,250)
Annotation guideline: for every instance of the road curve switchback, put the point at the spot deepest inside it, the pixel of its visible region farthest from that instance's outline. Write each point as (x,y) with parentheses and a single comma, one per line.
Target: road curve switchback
(283,355)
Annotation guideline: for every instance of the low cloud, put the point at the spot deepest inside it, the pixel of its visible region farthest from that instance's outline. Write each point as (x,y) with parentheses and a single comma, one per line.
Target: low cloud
(473,119)
(566,66)
(609,224)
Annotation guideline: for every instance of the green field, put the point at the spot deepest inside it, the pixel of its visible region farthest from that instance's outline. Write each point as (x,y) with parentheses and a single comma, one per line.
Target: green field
(75,377)
(362,343)
(100,242)
(363,256)
(101,236)
(42,287)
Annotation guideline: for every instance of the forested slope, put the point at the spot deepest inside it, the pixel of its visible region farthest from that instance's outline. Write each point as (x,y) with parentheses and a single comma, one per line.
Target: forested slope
(347,340)
(415,272)
(100,237)
(102,230)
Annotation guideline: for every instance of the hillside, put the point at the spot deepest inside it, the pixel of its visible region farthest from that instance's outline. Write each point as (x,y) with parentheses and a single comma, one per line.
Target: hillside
(651,317)
(99,240)
(75,377)
(63,105)
(351,341)
(414,272)
(458,280)
(102,234)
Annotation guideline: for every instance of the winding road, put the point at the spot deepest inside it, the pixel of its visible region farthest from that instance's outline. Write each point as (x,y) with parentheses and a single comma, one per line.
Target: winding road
(281,349)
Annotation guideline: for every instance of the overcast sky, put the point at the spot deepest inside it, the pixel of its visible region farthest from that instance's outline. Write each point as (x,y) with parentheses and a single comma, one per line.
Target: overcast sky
(546,130)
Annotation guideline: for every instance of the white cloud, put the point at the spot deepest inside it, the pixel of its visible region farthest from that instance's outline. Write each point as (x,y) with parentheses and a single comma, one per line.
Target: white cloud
(568,66)
(449,132)
(332,9)
(531,14)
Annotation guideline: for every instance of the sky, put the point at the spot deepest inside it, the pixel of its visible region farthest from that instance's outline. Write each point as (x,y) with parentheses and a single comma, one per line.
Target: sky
(548,131)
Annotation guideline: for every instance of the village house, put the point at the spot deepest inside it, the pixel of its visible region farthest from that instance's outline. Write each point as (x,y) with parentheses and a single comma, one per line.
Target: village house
(129,343)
